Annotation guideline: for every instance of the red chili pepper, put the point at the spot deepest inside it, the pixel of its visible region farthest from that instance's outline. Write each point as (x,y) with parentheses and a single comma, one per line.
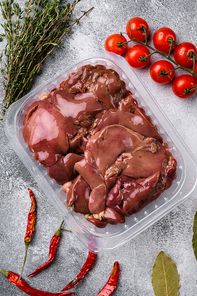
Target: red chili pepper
(84,270)
(52,251)
(30,226)
(112,282)
(22,285)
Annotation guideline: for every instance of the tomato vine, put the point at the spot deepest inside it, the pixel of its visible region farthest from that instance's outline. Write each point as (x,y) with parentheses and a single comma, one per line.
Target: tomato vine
(145,43)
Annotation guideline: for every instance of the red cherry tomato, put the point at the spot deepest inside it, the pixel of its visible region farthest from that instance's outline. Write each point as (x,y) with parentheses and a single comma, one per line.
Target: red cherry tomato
(159,72)
(136,56)
(138,27)
(161,39)
(183,54)
(184,86)
(195,70)
(112,42)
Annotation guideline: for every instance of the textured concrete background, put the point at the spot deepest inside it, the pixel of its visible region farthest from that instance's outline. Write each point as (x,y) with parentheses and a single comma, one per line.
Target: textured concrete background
(172,234)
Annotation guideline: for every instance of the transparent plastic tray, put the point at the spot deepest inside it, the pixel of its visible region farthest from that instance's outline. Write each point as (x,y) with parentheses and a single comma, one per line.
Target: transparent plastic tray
(96,239)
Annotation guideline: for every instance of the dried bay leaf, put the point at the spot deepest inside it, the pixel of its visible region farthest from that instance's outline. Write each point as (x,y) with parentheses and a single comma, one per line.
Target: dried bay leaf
(165,277)
(194,238)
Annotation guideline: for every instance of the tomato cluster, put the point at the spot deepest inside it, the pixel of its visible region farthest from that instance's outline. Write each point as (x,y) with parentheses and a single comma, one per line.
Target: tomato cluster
(165,42)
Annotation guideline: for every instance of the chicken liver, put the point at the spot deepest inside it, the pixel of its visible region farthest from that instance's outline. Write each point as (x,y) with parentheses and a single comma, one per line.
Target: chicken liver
(94,139)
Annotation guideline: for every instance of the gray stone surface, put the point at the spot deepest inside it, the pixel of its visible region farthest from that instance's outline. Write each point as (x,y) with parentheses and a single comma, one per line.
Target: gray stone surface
(172,233)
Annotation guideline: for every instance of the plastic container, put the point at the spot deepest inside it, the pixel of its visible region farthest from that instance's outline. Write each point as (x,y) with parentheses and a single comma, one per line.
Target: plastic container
(96,239)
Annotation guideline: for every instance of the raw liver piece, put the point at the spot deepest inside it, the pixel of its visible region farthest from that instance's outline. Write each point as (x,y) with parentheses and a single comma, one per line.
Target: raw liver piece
(63,170)
(133,121)
(79,195)
(47,132)
(79,109)
(135,193)
(125,146)
(104,84)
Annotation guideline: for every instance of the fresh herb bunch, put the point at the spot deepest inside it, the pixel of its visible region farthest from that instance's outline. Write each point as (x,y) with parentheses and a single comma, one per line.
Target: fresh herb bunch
(31,35)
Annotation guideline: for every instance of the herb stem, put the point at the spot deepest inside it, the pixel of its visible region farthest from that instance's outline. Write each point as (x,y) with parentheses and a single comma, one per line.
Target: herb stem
(31,34)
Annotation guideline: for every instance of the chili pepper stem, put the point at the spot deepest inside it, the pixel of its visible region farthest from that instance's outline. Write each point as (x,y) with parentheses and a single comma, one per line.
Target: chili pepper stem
(58,232)
(4,272)
(26,248)
(63,229)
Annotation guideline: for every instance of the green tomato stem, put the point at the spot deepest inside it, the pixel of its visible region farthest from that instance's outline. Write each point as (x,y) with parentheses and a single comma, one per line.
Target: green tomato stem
(172,70)
(122,43)
(150,54)
(189,90)
(163,73)
(193,88)
(171,43)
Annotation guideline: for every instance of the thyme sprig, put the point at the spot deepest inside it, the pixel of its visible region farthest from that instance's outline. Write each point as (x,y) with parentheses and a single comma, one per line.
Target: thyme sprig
(31,34)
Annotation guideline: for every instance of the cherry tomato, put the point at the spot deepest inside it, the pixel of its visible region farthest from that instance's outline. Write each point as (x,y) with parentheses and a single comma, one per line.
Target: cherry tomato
(136,56)
(184,86)
(111,44)
(159,72)
(161,39)
(138,26)
(195,70)
(183,54)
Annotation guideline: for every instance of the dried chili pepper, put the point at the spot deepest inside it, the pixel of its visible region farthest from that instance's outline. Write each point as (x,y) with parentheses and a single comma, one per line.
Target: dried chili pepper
(112,282)
(30,226)
(23,285)
(52,251)
(84,270)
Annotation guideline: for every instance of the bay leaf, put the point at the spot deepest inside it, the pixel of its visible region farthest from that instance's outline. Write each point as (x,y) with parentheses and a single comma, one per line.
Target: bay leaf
(194,238)
(165,277)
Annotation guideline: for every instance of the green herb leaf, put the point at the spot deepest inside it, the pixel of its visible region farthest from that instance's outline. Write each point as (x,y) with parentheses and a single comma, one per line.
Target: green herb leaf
(194,238)
(165,277)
